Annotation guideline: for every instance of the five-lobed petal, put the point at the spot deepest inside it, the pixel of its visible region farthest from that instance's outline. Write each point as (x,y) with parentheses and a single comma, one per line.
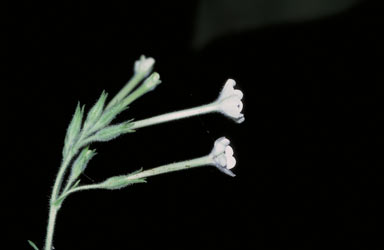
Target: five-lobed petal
(222,156)
(229,101)
(144,65)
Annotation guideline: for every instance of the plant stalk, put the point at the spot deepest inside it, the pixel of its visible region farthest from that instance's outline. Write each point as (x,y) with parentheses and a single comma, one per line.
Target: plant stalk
(183,165)
(52,208)
(204,109)
(197,162)
(51,227)
(131,84)
(206,160)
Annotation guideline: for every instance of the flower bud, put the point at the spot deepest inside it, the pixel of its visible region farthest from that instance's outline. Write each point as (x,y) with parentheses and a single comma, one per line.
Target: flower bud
(144,65)
(152,81)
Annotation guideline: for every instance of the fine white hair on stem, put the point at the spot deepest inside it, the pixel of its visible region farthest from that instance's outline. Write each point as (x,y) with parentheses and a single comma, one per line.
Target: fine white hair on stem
(228,103)
(97,126)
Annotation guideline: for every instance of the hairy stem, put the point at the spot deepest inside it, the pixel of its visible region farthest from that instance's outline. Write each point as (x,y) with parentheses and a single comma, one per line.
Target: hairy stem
(183,165)
(81,188)
(197,162)
(131,84)
(82,141)
(204,109)
(52,208)
(51,227)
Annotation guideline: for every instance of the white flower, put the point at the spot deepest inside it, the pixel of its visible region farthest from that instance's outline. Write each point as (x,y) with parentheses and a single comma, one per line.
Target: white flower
(144,65)
(229,101)
(222,156)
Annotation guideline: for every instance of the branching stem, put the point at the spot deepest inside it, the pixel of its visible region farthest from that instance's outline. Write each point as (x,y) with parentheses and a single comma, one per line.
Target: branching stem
(183,165)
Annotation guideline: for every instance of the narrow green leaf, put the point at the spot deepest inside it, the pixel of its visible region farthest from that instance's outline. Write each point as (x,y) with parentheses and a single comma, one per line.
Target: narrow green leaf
(111,132)
(64,195)
(76,184)
(81,163)
(118,182)
(59,201)
(136,172)
(33,245)
(96,111)
(108,116)
(73,129)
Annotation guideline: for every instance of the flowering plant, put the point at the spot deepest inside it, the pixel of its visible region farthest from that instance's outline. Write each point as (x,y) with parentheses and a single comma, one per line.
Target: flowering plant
(96,126)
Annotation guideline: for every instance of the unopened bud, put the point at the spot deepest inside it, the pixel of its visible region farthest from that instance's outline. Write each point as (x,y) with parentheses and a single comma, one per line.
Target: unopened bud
(152,81)
(144,65)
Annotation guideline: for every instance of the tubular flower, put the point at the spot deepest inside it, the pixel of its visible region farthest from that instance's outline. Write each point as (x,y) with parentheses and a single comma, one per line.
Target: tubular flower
(229,102)
(144,65)
(222,156)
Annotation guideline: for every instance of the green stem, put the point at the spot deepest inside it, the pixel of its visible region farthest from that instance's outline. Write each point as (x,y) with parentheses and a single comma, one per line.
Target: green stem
(68,186)
(54,209)
(56,191)
(140,91)
(131,84)
(183,165)
(204,109)
(51,227)
(81,188)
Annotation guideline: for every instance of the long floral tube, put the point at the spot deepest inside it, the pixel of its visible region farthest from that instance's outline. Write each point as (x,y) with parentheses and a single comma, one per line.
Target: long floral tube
(221,157)
(177,115)
(142,69)
(229,103)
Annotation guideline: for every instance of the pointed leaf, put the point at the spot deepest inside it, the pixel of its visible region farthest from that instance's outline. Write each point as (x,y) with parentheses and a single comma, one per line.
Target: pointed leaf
(96,111)
(119,182)
(73,129)
(33,245)
(76,184)
(59,201)
(81,163)
(111,132)
(108,116)
(136,172)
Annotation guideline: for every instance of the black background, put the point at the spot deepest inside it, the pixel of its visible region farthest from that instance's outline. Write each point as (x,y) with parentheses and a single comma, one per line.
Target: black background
(308,152)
